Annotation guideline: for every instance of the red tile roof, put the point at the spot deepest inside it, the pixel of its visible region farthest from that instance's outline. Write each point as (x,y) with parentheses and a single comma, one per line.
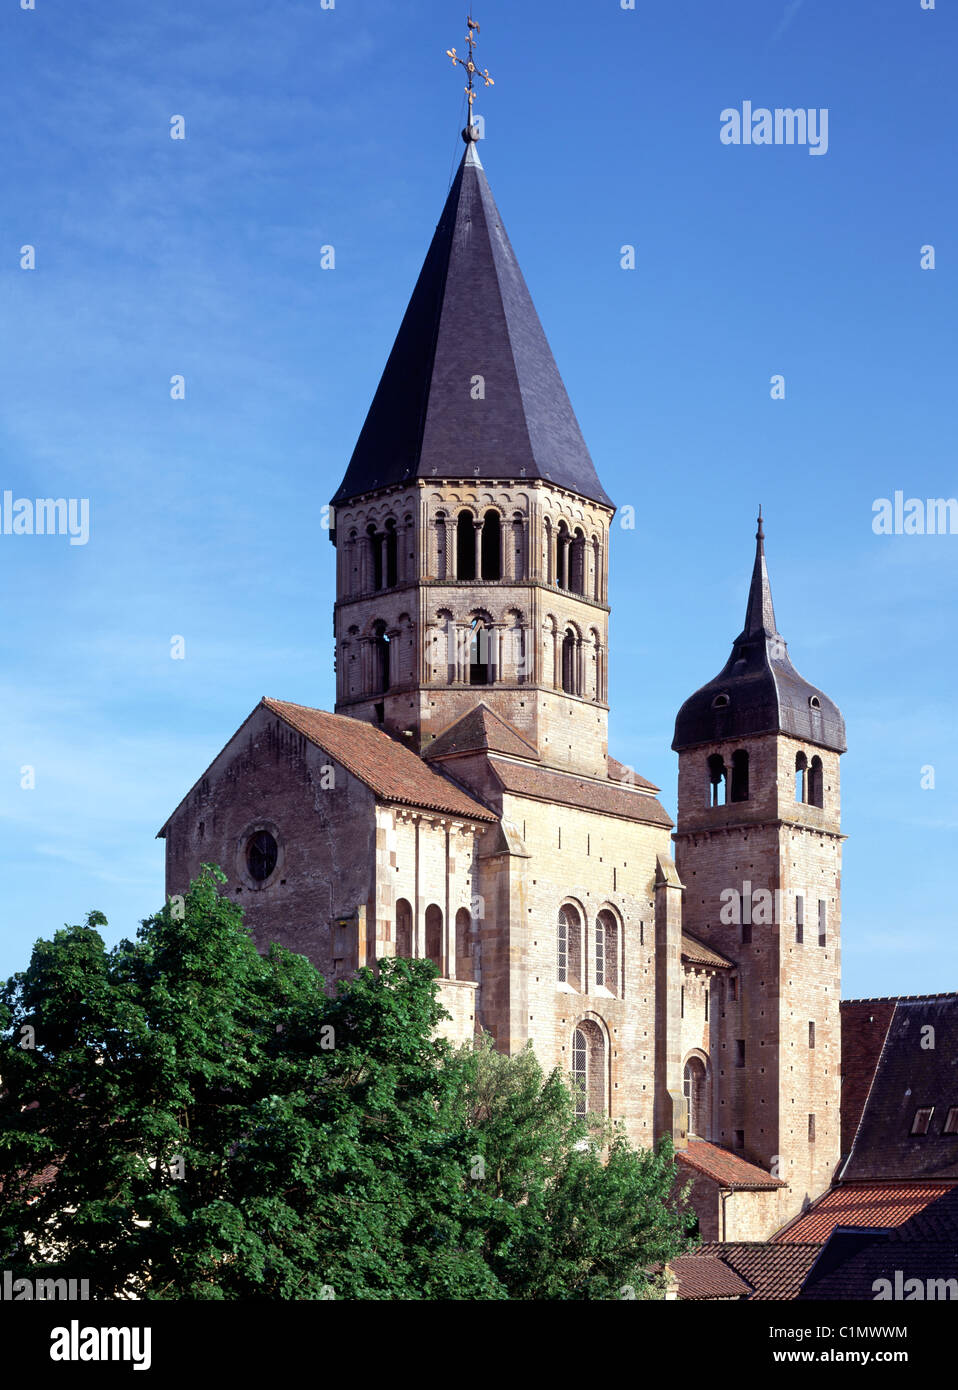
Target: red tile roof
(697,953)
(770,1271)
(725,1167)
(480,730)
(620,772)
(863,1204)
(706,1276)
(393,772)
(569,790)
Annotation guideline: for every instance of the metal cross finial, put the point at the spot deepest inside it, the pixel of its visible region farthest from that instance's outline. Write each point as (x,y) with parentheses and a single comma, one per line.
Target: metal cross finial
(469,63)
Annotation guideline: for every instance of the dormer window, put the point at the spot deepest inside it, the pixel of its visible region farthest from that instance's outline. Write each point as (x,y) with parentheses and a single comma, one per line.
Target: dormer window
(720,702)
(814,701)
(922,1119)
(951,1121)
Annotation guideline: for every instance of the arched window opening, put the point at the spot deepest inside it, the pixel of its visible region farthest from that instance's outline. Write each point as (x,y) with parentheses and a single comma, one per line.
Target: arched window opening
(466,546)
(491,546)
(376,556)
(588,1069)
(801,772)
(815,793)
(718,782)
(569,682)
(466,946)
(695,1086)
(404,929)
(434,935)
(607,951)
(569,935)
(392,554)
(479,654)
(562,556)
(577,563)
(381,644)
(739,775)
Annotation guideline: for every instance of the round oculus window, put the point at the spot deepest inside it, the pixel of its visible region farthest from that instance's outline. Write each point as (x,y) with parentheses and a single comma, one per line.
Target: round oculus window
(262,852)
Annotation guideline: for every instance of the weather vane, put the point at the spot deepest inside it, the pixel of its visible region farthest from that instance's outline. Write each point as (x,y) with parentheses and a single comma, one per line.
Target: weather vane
(472,38)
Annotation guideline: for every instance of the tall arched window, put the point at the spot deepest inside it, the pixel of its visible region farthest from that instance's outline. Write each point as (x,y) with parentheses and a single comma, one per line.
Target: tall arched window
(562,556)
(434,935)
(479,653)
(381,672)
(403,929)
(589,1069)
(392,554)
(491,546)
(569,937)
(465,946)
(607,951)
(466,546)
(718,785)
(569,653)
(801,771)
(381,664)
(596,570)
(815,794)
(375,543)
(739,775)
(695,1085)
(577,563)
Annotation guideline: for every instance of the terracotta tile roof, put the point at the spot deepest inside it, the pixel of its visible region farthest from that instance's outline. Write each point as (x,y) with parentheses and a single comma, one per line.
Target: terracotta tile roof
(706,1276)
(725,1167)
(863,1204)
(481,729)
(924,1247)
(909,1076)
(619,772)
(697,953)
(569,790)
(771,1271)
(393,772)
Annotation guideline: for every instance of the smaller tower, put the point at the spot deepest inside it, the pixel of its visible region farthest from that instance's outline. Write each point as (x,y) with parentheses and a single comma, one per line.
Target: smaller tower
(758,847)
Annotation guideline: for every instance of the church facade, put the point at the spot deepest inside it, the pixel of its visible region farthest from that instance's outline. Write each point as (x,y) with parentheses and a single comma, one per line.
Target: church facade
(461,803)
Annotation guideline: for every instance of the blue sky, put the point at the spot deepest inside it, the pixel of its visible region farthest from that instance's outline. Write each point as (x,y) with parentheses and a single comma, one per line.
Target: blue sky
(308,127)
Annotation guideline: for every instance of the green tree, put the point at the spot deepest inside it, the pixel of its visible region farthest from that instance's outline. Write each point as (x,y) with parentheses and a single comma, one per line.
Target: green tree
(222,1126)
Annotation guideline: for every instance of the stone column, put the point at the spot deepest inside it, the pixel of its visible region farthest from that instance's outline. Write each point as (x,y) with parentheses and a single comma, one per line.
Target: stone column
(452,548)
(670,1116)
(479,525)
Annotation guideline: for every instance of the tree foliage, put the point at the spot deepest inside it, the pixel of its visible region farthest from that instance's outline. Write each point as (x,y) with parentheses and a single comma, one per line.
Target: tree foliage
(181,1117)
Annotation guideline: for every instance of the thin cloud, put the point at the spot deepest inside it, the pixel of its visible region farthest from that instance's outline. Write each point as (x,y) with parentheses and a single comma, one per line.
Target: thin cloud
(791,10)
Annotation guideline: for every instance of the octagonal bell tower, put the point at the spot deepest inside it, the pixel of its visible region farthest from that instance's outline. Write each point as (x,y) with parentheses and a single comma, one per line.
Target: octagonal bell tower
(471,529)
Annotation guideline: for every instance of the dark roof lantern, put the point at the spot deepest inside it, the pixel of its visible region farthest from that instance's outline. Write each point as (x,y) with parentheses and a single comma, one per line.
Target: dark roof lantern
(758,690)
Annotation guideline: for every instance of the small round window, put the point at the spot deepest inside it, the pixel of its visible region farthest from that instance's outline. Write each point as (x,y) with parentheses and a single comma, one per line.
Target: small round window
(814,701)
(720,702)
(262,852)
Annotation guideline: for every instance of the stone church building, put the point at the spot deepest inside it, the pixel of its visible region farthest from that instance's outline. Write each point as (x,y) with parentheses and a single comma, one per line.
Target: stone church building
(461,803)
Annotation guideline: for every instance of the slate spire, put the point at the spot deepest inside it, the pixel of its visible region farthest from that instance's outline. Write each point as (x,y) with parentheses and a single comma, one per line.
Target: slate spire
(759,613)
(471,389)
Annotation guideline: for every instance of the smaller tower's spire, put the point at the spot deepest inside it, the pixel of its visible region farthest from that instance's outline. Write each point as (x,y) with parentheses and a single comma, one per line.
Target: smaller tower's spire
(471,134)
(759,614)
